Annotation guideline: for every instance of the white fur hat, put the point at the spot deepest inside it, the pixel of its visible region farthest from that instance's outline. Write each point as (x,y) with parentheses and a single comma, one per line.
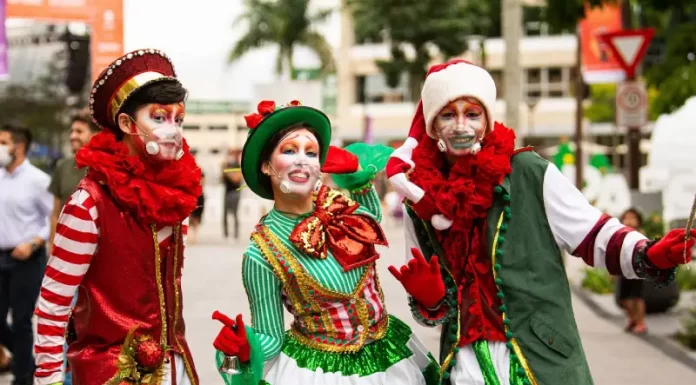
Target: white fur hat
(453,80)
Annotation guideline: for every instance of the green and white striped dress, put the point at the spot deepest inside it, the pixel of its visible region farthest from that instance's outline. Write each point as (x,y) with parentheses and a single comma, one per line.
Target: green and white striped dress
(288,362)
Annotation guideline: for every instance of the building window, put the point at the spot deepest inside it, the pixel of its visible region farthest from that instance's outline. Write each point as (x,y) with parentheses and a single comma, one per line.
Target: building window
(374,89)
(242,127)
(219,127)
(193,151)
(191,127)
(497,76)
(555,75)
(214,151)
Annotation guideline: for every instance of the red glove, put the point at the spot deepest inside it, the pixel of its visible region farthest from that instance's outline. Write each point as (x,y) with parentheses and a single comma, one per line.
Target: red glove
(232,339)
(340,161)
(668,252)
(422,280)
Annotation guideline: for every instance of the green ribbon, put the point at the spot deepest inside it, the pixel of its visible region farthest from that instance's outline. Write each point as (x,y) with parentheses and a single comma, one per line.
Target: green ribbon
(483,356)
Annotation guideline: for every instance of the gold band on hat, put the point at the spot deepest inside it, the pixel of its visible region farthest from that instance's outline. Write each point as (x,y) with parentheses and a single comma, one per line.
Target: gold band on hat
(128,87)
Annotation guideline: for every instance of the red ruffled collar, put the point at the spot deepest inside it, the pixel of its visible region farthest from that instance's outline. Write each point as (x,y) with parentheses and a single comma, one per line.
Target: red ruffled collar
(466,192)
(163,194)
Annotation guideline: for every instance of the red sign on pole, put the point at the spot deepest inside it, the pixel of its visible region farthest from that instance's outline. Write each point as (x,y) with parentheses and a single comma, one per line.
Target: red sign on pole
(629,46)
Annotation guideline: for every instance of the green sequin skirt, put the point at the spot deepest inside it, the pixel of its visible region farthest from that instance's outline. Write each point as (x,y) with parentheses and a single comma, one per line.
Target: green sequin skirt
(397,359)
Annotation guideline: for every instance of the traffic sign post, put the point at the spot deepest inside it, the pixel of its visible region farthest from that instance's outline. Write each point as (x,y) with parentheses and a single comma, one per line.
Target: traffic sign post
(629,47)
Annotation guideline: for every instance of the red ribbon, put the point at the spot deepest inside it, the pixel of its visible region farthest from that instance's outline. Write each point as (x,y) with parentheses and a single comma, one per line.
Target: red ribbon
(334,226)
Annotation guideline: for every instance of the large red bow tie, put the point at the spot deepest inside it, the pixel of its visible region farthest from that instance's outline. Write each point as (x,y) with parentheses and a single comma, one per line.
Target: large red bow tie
(333,226)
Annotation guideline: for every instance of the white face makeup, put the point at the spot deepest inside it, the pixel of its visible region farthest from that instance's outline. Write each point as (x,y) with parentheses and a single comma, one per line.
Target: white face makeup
(161,124)
(294,166)
(461,125)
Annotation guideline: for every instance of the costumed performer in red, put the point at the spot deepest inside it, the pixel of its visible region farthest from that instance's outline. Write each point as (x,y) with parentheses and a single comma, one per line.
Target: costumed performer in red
(120,239)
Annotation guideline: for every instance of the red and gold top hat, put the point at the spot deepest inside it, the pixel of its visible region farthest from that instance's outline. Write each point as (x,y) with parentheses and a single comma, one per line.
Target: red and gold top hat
(122,78)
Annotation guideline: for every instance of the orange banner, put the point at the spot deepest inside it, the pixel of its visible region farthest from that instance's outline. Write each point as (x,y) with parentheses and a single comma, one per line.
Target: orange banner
(68,10)
(107,34)
(105,18)
(598,63)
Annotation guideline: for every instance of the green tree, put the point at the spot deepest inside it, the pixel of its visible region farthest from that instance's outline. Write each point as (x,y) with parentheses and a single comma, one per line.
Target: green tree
(286,24)
(417,26)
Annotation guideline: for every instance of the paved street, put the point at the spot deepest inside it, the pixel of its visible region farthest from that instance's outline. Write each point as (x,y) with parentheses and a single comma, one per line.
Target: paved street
(212,282)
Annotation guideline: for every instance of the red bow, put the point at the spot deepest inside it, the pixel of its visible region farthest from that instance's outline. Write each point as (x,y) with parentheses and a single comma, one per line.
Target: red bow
(350,237)
(265,108)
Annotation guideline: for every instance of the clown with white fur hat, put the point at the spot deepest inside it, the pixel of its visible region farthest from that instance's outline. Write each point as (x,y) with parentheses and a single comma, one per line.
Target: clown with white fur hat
(485,231)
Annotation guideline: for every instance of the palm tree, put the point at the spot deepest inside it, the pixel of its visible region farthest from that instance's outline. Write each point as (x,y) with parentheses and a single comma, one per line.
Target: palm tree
(287,24)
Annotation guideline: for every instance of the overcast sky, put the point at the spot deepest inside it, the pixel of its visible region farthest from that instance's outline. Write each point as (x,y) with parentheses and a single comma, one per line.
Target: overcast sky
(198,35)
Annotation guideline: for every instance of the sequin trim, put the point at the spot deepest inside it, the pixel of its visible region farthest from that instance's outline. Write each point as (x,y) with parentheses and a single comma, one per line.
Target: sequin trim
(515,345)
(160,288)
(263,238)
(177,303)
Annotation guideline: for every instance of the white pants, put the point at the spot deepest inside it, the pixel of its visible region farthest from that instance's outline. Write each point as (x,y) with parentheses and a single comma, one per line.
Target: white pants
(467,371)
(180,377)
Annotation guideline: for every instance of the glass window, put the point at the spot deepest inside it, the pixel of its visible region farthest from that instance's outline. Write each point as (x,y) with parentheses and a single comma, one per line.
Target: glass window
(191,127)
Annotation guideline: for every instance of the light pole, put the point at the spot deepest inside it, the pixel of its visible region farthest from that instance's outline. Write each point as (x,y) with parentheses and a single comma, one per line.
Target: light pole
(512,79)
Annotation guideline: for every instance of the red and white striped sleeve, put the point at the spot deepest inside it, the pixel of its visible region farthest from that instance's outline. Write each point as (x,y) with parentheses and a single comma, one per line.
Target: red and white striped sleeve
(77,235)
(584,231)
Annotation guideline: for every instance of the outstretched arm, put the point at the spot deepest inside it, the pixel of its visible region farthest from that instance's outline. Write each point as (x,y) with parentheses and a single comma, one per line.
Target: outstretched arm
(75,243)
(585,232)
(263,291)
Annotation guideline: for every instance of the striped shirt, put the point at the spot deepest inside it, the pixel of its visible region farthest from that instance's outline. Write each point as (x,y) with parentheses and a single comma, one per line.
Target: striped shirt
(264,288)
(76,241)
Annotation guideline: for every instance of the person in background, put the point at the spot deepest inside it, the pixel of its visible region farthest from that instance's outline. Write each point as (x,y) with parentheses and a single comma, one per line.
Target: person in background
(66,177)
(631,290)
(196,217)
(25,208)
(233,182)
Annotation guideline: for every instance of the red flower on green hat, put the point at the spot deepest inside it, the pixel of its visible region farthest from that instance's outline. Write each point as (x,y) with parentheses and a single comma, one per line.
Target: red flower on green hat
(294,103)
(253,120)
(266,107)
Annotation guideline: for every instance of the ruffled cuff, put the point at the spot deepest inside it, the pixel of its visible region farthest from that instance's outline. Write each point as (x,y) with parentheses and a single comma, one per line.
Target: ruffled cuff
(428,317)
(372,160)
(250,372)
(646,270)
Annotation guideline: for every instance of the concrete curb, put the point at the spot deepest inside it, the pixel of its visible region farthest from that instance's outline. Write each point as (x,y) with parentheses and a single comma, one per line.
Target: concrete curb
(668,347)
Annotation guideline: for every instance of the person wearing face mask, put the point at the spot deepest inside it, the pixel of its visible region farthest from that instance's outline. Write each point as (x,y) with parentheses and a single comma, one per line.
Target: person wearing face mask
(120,237)
(25,208)
(314,252)
(496,219)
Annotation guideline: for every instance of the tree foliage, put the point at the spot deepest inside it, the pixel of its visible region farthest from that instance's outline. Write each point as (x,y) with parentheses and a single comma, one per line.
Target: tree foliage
(286,24)
(418,30)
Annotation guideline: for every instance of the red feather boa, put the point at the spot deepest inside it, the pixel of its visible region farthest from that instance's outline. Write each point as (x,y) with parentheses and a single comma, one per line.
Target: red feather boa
(163,194)
(465,193)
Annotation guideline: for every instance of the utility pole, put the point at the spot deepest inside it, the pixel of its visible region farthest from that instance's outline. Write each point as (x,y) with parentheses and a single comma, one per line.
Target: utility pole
(512,75)
(579,95)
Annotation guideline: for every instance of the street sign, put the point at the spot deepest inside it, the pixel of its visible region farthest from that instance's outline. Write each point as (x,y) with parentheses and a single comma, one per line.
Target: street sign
(629,47)
(631,104)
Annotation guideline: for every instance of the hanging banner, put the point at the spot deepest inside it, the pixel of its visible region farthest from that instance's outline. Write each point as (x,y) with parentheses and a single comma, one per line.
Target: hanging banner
(4,71)
(598,63)
(68,10)
(107,34)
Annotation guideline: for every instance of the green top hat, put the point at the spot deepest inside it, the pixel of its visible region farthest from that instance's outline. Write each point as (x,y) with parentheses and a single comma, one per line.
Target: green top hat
(267,122)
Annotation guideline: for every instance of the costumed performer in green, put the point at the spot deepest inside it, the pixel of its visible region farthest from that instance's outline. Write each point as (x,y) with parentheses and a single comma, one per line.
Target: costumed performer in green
(314,253)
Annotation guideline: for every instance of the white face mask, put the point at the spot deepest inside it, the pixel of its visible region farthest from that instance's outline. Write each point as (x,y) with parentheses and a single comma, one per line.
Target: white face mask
(5,157)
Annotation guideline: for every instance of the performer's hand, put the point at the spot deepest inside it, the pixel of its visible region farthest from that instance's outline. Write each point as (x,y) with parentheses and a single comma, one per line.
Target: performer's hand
(422,280)
(340,161)
(668,252)
(232,338)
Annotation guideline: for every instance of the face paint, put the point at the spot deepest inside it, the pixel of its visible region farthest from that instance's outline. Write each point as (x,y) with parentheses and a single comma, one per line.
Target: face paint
(160,125)
(294,164)
(461,125)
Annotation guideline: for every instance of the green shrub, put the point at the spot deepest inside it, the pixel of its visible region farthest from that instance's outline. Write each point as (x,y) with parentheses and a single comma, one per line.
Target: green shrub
(687,335)
(686,279)
(598,281)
